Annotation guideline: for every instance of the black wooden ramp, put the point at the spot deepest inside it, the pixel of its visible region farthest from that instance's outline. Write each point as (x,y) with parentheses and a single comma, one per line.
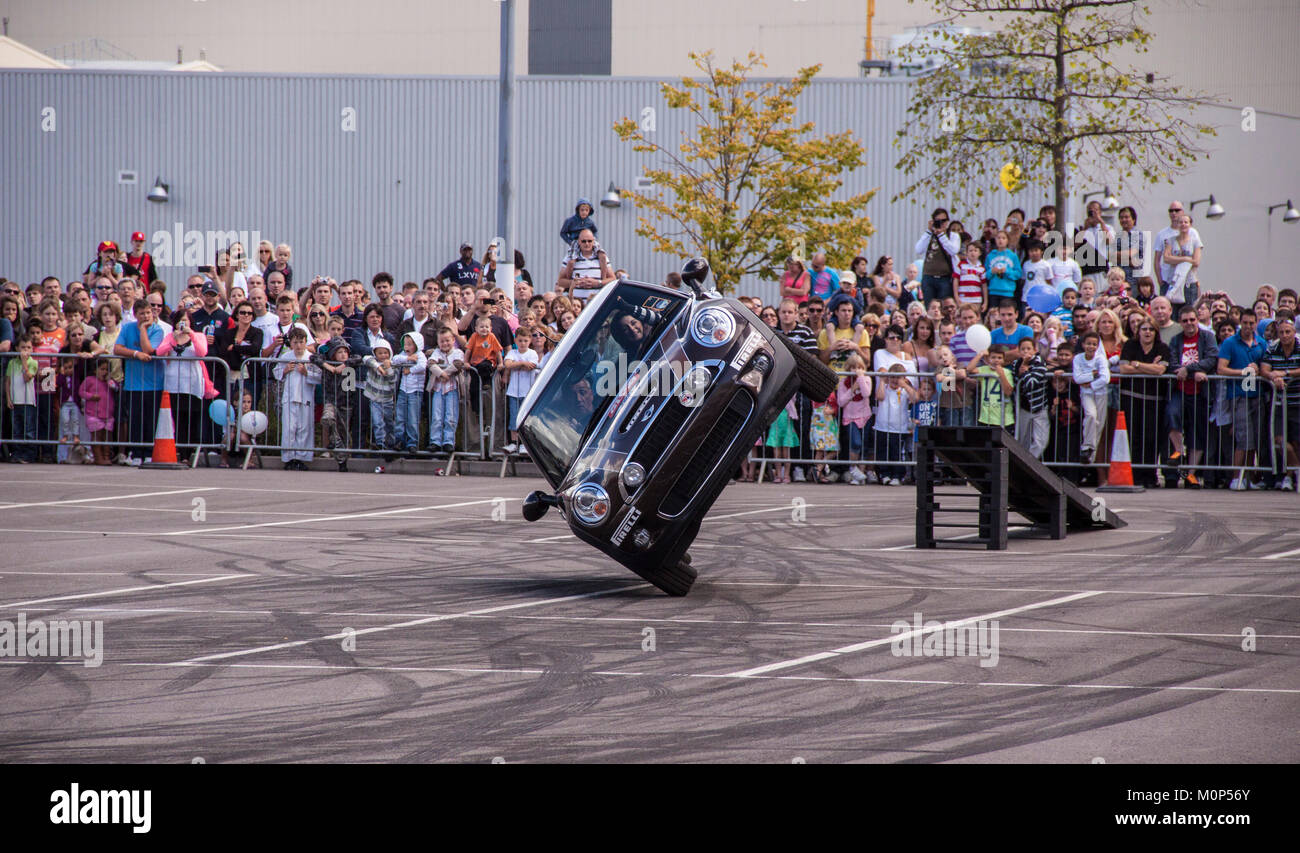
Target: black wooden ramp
(1006,478)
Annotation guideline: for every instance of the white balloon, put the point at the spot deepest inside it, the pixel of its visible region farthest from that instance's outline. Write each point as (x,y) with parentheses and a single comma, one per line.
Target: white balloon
(253,423)
(978,338)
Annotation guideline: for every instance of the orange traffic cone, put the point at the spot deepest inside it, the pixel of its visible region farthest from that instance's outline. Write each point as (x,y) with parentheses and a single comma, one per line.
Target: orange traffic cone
(1120,478)
(164,438)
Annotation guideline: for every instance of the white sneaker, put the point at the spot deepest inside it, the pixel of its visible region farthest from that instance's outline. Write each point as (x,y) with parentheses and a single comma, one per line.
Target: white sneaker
(854,477)
(832,476)
(798,476)
(1287,484)
(1255,485)
(891,481)
(1237,485)
(510,448)
(133,462)
(872,478)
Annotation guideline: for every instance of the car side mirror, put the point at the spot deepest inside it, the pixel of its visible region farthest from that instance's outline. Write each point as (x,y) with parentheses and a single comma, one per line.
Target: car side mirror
(537,503)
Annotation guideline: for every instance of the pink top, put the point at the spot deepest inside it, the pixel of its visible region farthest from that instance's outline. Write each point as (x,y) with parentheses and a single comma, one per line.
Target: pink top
(854,396)
(102,406)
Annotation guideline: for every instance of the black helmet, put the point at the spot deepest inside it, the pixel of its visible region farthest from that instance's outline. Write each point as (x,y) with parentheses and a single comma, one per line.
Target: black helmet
(695,270)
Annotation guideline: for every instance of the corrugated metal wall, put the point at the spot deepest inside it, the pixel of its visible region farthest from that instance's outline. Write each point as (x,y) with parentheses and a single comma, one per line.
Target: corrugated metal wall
(268,154)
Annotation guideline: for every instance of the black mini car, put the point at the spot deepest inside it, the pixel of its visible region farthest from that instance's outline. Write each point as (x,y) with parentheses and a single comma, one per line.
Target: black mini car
(645,410)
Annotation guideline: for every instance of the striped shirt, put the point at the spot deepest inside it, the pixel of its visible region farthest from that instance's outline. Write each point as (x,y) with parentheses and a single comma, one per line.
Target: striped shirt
(970,283)
(1031,386)
(802,337)
(1277,360)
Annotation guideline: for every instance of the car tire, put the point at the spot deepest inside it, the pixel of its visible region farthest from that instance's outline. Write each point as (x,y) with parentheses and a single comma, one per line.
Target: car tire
(816,380)
(674,580)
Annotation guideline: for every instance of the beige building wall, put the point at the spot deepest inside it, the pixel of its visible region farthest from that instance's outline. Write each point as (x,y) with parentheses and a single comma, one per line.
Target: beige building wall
(1240,49)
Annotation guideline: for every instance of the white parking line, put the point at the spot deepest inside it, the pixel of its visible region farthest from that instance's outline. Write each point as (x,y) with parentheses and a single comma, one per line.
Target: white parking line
(483,670)
(109,498)
(1293,553)
(983,588)
(148,588)
(884,641)
(348,517)
(553,538)
(412,623)
(782,508)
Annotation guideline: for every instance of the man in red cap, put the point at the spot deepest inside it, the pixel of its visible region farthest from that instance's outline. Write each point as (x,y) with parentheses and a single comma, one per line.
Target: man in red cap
(105,264)
(141,260)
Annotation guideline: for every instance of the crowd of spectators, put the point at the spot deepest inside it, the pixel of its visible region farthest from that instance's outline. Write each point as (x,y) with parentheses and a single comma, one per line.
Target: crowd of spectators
(1110,320)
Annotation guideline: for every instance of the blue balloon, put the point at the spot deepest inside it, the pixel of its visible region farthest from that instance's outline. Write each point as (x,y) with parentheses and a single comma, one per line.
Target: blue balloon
(221,412)
(1042,298)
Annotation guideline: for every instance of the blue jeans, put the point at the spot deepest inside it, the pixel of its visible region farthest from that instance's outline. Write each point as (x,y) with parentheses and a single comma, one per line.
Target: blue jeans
(23,419)
(408,419)
(444,413)
(936,287)
(381,423)
(965,416)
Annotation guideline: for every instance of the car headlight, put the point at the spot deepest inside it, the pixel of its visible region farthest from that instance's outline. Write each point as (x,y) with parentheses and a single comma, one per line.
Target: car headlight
(713,327)
(590,503)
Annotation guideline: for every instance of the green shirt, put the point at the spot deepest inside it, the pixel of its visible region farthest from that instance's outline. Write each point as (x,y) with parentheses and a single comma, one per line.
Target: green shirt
(995,407)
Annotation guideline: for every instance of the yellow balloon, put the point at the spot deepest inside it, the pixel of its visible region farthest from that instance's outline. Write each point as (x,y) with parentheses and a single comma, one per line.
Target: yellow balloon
(1010,177)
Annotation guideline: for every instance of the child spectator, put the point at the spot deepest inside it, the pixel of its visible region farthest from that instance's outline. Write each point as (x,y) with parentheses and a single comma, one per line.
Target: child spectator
(298,379)
(411,364)
(338,368)
(446,364)
(522,363)
(954,396)
(995,389)
(783,435)
(483,353)
(1065,311)
(1053,336)
(246,405)
(894,396)
(853,395)
(1065,270)
(1031,398)
(580,220)
(1092,375)
(1036,270)
(281,265)
(1065,411)
(381,391)
(96,394)
(972,288)
(1144,290)
(925,412)
(65,387)
(1004,271)
(824,434)
(1116,283)
(1087,294)
(20,398)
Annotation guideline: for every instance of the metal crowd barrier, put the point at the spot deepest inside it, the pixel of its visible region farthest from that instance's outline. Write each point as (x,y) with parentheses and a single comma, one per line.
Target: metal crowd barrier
(341,424)
(1148,403)
(54,430)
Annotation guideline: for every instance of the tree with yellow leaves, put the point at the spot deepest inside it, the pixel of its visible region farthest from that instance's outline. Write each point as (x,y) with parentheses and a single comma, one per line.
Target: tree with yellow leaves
(748,186)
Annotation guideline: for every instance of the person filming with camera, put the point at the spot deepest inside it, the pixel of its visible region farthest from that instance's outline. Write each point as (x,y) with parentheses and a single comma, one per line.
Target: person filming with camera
(940,248)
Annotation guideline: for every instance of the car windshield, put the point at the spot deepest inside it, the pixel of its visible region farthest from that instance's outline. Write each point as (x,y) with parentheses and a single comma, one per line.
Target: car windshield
(592,374)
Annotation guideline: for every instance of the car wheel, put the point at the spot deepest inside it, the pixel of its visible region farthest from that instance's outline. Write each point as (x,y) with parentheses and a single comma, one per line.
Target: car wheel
(816,380)
(674,580)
